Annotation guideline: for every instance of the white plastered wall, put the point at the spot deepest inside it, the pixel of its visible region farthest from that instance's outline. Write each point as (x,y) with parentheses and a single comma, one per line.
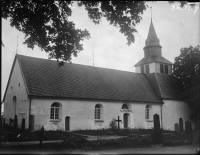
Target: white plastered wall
(173,110)
(22,103)
(157,67)
(152,67)
(138,69)
(81,113)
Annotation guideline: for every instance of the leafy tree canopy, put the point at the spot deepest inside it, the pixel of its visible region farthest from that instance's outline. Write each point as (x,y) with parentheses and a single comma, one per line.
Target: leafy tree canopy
(186,70)
(46,24)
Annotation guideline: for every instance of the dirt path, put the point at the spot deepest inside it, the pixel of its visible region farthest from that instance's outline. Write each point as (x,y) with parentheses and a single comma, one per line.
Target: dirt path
(186,149)
(27,143)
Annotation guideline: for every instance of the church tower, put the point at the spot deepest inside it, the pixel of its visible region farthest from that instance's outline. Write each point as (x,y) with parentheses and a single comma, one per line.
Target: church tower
(153,62)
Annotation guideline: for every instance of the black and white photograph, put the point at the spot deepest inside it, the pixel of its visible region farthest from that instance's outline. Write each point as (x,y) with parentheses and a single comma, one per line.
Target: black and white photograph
(100,77)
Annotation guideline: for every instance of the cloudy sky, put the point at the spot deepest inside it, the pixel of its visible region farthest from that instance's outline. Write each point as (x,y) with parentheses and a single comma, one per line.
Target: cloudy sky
(175,27)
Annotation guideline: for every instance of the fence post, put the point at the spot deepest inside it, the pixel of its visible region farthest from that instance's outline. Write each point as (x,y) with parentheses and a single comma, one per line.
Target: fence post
(41,136)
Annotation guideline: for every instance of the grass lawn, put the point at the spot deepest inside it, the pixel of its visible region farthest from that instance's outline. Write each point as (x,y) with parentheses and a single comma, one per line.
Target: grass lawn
(135,138)
(121,132)
(35,136)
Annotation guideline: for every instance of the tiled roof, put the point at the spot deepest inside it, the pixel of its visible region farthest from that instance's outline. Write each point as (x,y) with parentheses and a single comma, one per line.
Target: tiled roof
(164,85)
(45,78)
(147,60)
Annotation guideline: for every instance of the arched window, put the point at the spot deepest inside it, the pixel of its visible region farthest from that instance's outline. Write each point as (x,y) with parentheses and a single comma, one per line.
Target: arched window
(55,111)
(98,111)
(148,112)
(125,106)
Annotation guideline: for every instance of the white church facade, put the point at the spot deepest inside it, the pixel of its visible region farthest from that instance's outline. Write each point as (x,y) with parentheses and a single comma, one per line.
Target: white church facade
(75,97)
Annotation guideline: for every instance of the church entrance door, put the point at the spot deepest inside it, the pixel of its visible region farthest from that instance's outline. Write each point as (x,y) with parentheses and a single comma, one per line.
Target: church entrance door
(125,120)
(67,118)
(156,121)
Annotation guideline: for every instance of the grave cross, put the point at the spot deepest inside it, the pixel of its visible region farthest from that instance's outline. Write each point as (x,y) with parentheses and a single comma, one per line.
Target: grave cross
(118,120)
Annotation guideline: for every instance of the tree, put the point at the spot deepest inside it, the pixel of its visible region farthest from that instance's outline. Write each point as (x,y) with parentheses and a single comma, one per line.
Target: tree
(46,24)
(186,70)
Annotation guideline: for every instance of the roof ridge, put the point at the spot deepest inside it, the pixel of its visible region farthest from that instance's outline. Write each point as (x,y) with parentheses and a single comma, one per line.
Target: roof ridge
(78,64)
(158,95)
(159,85)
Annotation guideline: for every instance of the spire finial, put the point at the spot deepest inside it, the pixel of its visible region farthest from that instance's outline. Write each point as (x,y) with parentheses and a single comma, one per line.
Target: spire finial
(151,11)
(17,45)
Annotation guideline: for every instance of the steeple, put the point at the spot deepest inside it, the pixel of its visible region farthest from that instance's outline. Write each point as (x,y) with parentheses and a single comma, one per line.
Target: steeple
(152,39)
(152,43)
(153,62)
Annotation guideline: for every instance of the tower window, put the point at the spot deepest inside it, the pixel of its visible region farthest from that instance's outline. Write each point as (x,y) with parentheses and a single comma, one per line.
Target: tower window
(142,69)
(166,69)
(147,69)
(161,68)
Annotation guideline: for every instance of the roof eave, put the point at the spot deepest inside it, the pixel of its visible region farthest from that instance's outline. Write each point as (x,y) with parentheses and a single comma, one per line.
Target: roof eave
(56,97)
(9,78)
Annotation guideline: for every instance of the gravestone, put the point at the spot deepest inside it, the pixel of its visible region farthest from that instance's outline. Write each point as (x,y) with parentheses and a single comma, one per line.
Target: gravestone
(4,121)
(15,123)
(188,127)
(176,127)
(156,121)
(181,124)
(23,125)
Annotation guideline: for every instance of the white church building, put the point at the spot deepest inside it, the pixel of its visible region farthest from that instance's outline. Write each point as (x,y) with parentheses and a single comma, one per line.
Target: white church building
(75,97)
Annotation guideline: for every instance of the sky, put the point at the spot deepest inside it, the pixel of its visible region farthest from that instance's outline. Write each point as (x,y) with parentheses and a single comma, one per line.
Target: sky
(175,28)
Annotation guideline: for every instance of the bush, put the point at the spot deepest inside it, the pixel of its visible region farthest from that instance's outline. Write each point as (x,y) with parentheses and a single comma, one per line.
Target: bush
(157,136)
(167,143)
(146,141)
(113,124)
(173,143)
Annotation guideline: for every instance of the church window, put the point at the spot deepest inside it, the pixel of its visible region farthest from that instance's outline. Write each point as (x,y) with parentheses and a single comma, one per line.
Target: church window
(161,68)
(142,69)
(98,111)
(147,69)
(124,106)
(148,112)
(54,111)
